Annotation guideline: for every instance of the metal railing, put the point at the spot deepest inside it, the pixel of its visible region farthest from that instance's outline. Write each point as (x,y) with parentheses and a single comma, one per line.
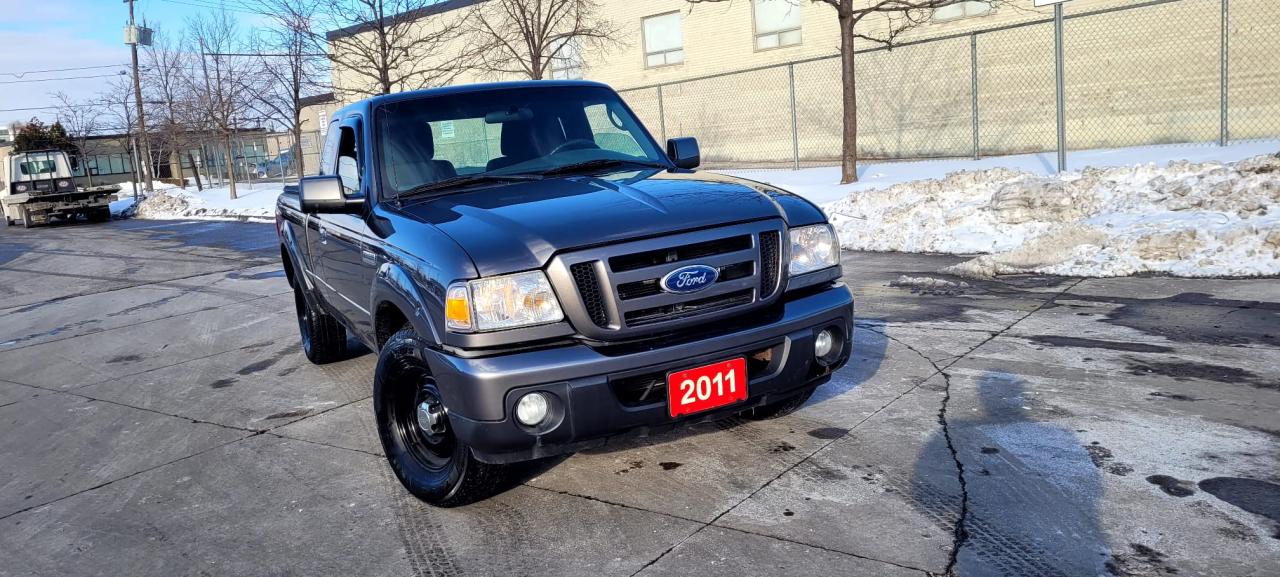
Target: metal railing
(1156,72)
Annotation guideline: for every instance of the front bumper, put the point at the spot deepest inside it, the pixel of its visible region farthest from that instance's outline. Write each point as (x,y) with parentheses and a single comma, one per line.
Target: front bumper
(593,389)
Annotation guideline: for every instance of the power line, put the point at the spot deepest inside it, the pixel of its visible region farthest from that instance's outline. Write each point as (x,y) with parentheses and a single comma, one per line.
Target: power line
(214,6)
(26,72)
(122,73)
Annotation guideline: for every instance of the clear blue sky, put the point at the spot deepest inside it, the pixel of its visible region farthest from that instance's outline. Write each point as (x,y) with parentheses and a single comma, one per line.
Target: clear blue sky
(47,34)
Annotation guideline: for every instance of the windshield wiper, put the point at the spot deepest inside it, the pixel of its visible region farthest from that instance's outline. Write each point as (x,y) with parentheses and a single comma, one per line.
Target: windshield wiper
(600,163)
(464,180)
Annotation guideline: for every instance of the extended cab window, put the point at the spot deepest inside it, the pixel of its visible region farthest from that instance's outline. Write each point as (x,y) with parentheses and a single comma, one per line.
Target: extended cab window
(329,154)
(525,131)
(348,163)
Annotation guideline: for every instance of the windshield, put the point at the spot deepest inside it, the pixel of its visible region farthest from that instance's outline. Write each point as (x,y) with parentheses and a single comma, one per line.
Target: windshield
(37,167)
(507,131)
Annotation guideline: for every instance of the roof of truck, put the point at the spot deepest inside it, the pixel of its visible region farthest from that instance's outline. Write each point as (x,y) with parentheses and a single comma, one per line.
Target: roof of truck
(368,103)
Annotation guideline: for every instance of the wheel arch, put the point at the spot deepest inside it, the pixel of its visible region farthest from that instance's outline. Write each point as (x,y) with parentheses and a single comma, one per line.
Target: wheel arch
(398,302)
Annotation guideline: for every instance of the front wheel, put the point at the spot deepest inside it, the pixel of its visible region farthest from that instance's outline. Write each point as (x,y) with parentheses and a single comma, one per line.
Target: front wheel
(413,423)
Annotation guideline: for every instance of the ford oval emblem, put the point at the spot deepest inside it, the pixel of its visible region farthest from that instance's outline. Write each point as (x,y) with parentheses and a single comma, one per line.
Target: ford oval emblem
(690,279)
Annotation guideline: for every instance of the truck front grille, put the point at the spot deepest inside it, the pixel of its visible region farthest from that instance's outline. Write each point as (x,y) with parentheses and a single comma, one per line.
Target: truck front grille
(618,287)
(643,317)
(679,253)
(769,260)
(584,276)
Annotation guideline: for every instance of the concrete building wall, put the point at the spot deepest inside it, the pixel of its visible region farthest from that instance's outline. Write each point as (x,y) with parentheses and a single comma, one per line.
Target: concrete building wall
(1149,74)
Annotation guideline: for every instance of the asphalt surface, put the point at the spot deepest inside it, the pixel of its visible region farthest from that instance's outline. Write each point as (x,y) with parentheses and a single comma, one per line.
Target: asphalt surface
(157,417)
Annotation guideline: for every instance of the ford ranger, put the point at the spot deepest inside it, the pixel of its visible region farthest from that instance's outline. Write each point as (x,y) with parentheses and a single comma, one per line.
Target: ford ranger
(536,275)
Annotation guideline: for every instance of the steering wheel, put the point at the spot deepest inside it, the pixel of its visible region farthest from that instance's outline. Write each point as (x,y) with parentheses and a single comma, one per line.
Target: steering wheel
(574,144)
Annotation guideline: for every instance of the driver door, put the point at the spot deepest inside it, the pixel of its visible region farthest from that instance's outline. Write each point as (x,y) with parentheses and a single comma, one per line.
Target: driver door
(349,260)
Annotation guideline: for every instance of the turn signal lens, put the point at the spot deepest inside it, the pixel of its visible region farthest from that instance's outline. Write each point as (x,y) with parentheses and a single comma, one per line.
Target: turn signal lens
(502,302)
(457,308)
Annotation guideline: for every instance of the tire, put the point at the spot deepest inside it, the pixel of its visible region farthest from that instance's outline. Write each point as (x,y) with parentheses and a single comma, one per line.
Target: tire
(324,339)
(777,409)
(428,459)
(99,215)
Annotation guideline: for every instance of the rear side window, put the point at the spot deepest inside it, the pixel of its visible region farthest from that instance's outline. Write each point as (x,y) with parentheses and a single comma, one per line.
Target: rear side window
(329,154)
(610,132)
(348,163)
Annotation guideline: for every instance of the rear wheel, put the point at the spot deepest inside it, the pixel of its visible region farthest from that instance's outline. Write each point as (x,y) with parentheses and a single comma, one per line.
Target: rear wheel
(324,339)
(413,423)
(778,408)
(100,214)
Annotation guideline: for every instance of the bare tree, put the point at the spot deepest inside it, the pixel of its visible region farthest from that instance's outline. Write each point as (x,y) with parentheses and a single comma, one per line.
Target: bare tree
(117,106)
(888,19)
(387,46)
(220,83)
(291,64)
(82,121)
(166,78)
(533,37)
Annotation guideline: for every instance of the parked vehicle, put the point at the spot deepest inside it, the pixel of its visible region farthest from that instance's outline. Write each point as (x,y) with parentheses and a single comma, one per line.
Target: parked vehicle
(280,166)
(40,186)
(537,275)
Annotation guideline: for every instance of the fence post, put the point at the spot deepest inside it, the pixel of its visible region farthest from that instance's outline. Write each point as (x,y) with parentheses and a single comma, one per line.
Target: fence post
(1062,100)
(973,89)
(1224,134)
(662,117)
(795,133)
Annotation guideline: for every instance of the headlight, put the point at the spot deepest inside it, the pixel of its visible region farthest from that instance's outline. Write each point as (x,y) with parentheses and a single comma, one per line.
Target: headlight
(813,248)
(502,302)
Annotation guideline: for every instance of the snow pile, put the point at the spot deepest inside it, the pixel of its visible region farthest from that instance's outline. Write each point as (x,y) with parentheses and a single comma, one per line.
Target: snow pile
(1184,219)
(256,202)
(929,285)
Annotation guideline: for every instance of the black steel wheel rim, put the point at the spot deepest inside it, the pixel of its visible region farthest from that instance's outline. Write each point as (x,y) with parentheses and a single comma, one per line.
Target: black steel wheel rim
(431,447)
(304,320)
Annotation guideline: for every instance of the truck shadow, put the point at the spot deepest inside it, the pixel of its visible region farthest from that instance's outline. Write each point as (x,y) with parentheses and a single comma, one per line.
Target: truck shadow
(868,353)
(1032,489)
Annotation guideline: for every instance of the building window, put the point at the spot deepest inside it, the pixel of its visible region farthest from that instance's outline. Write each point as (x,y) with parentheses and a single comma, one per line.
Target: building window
(961,10)
(663,40)
(566,64)
(777,23)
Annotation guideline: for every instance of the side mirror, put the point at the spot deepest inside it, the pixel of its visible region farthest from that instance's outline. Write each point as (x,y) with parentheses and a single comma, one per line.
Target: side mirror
(324,194)
(684,152)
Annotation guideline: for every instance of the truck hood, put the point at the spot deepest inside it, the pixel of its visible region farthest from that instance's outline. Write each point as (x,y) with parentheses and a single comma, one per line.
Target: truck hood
(517,226)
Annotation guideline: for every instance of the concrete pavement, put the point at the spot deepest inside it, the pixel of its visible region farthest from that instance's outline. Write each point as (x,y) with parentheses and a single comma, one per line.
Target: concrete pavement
(157,417)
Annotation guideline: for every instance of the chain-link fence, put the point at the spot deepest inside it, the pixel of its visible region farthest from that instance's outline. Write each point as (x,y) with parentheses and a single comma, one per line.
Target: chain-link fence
(255,156)
(1163,71)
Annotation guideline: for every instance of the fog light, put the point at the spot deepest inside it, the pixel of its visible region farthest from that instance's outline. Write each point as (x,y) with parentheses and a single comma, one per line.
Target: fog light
(532,409)
(822,343)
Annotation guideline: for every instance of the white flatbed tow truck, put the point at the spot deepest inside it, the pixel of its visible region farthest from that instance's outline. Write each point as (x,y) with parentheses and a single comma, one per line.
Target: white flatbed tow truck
(39,186)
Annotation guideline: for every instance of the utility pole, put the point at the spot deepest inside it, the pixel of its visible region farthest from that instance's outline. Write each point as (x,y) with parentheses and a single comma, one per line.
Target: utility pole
(134,36)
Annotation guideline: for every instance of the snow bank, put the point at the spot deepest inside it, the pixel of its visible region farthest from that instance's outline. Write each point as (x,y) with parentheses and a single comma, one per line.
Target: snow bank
(819,184)
(1184,218)
(256,202)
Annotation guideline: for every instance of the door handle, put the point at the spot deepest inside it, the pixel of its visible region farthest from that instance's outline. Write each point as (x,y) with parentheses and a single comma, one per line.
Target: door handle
(323,233)
(368,257)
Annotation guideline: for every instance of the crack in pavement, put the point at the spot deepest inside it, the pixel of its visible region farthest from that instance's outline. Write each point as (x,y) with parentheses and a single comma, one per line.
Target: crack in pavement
(961,533)
(130,475)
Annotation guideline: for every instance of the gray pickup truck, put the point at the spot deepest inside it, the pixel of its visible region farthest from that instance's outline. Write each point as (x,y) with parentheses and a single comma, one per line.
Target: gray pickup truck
(537,275)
